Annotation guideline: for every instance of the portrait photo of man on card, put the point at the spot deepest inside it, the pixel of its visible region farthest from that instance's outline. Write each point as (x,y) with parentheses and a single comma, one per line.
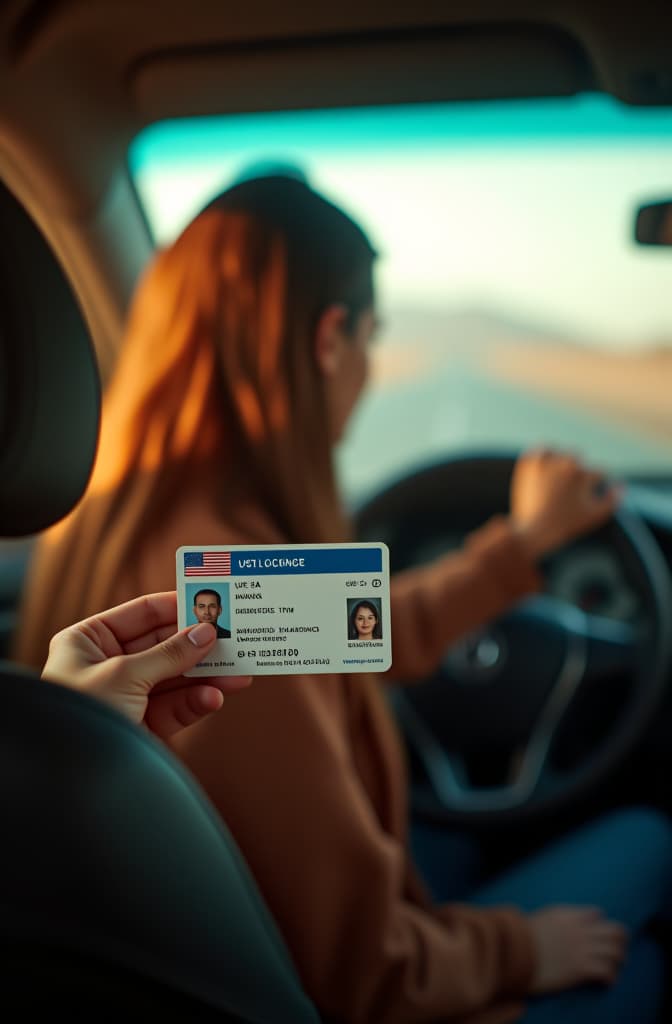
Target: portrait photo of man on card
(210,605)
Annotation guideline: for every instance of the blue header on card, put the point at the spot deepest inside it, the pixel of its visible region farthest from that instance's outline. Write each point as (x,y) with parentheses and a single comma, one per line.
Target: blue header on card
(282,563)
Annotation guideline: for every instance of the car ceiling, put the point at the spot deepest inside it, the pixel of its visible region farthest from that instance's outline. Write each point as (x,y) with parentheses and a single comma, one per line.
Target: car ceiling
(81,77)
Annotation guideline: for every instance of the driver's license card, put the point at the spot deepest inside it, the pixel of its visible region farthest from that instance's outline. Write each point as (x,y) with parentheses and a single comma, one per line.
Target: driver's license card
(288,609)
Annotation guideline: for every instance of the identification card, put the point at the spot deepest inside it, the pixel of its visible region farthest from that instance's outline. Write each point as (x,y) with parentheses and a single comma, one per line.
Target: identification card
(288,609)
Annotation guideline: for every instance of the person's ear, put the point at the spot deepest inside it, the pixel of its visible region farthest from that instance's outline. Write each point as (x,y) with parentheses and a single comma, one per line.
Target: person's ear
(331,339)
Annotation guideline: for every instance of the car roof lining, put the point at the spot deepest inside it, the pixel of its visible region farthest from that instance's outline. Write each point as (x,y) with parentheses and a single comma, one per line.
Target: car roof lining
(65,60)
(62,62)
(458,64)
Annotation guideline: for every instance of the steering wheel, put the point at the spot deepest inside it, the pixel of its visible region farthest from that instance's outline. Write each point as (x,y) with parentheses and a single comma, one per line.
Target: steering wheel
(536,708)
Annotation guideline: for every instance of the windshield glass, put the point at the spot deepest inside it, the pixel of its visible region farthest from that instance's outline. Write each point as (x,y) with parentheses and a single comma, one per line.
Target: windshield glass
(516,308)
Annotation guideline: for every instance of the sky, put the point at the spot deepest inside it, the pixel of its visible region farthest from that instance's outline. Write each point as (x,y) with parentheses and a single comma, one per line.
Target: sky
(525,208)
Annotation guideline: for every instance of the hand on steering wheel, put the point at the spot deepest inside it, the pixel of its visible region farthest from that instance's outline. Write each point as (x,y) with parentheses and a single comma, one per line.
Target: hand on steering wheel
(506,694)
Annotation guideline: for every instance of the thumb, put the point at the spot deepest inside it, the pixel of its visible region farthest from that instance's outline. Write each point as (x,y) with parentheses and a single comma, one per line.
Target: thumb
(172,657)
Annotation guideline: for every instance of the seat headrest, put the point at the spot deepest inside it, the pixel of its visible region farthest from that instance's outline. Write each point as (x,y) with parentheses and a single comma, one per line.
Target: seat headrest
(49,383)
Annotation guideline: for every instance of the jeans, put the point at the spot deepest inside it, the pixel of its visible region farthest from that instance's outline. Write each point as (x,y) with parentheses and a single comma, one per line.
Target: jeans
(621,862)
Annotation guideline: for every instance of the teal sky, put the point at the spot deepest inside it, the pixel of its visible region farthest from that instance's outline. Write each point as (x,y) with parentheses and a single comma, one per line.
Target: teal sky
(590,117)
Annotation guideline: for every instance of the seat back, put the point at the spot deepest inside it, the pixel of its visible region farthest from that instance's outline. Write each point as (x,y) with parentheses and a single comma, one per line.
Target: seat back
(115,865)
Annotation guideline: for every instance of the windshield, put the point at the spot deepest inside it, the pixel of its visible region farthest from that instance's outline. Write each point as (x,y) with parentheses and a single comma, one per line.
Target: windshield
(516,308)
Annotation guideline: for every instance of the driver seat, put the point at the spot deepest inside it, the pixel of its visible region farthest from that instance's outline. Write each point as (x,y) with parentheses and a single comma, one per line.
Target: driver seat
(122,894)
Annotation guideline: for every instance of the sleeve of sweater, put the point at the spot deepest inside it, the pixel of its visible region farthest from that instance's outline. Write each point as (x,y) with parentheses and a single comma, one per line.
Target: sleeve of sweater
(434,605)
(335,880)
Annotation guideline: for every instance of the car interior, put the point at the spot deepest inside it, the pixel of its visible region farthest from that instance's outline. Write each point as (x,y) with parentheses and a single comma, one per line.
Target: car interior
(560,708)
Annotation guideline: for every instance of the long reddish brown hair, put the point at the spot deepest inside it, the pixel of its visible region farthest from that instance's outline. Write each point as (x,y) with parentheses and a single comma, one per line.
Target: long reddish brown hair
(217,380)
(218,364)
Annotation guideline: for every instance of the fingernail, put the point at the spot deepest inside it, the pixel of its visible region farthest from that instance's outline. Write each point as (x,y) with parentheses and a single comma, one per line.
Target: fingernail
(201,634)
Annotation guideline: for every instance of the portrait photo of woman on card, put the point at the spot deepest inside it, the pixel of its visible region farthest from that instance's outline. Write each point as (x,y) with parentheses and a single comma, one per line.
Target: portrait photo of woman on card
(364,620)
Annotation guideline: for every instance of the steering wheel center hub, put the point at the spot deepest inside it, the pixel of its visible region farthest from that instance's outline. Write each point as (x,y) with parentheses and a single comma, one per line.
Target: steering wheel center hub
(478,658)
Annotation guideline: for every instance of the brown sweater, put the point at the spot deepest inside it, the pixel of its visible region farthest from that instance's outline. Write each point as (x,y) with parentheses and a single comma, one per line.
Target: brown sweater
(309,774)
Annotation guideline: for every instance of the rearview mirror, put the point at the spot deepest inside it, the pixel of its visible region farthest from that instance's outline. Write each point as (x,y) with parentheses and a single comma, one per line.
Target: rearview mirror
(653,225)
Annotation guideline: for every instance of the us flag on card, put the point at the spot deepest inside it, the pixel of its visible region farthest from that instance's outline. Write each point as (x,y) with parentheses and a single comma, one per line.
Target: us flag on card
(207,563)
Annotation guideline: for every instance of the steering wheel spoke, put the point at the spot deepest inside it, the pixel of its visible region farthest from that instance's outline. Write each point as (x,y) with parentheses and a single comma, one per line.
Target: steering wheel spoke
(448,773)
(611,646)
(605,645)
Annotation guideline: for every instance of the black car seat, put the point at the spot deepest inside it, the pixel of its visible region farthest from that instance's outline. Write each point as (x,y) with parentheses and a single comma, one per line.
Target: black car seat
(122,895)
